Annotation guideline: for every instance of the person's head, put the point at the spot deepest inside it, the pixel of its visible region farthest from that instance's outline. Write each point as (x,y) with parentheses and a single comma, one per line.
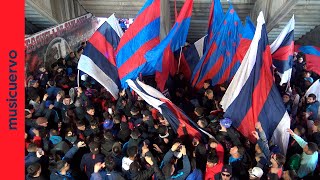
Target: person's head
(134,111)
(168,169)
(310,148)
(202,123)
(42,121)
(34,170)
(32,147)
(209,94)
(307,74)
(90,110)
(162,130)
(80,50)
(135,134)
(135,167)
(299,130)
(308,81)
(63,165)
(300,60)
(94,147)
(226,172)
(116,148)
(206,83)
(198,111)
(311,98)
(146,114)
(80,125)
(110,163)
(212,160)
(132,151)
(316,126)
(72,55)
(237,151)
(67,100)
(277,160)
(34,83)
(286,98)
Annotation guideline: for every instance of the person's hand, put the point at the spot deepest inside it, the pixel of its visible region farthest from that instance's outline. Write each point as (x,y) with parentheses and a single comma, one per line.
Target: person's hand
(183,150)
(175,146)
(145,148)
(183,125)
(156,148)
(156,126)
(148,160)
(255,134)
(290,131)
(81,144)
(58,97)
(98,166)
(51,106)
(166,140)
(36,132)
(39,153)
(45,97)
(213,145)
(258,126)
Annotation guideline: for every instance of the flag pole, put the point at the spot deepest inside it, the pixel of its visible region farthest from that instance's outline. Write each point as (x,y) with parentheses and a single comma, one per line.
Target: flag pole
(179,60)
(78,79)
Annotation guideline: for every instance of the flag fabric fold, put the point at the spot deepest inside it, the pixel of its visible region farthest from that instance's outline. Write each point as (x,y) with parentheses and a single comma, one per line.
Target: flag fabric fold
(175,116)
(314,89)
(142,35)
(161,57)
(282,52)
(312,54)
(252,95)
(219,55)
(215,17)
(97,59)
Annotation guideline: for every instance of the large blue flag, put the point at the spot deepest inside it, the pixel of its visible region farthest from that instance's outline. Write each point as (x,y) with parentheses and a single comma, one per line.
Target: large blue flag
(252,95)
(219,55)
(215,17)
(162,57)
(282,52)
(141,37)
(97,59)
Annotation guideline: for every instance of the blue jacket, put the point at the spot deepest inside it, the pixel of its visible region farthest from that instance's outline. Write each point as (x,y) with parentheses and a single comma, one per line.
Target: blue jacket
(57,176)
(313,108)
(104,175)
(182,173)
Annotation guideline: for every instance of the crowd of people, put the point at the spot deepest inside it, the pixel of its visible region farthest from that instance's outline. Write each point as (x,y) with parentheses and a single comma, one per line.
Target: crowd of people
(82,132)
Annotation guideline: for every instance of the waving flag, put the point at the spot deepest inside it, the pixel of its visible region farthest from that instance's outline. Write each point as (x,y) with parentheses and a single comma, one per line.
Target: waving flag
(312,54)
(314,89)
(97,59)
(219,55)
(141,37)
(252,95)
(282,52)
(161,57)
(175,116)
(244,44)
(114,23)
(215,17)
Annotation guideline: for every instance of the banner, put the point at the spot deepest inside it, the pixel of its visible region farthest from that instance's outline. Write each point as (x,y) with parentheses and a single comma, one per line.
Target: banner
(47,46)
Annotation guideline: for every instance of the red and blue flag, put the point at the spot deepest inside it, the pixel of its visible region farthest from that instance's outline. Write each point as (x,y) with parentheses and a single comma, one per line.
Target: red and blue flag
(98,60)
(219,55)
(312,54)
(161,57)
(282,52)
(252,95)
(141,37)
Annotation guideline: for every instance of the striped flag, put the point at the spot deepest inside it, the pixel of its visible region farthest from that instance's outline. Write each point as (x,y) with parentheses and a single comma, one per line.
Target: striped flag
(161,57)
(252,95)
(312,54)
(219,55)
(282,52)
(97,59)
(175,116)
(215,17)
(141,37)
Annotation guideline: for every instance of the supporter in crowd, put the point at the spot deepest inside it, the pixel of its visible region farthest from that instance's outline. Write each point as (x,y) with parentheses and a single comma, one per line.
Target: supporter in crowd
(84,133)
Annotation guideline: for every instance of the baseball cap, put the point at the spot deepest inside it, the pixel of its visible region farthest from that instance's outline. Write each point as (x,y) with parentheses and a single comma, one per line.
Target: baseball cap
(107,124)
(226,122)
(310,79)
(256,172)
(227,168)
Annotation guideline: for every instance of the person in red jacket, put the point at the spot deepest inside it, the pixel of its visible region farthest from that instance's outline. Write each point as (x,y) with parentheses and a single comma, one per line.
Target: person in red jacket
(214,161)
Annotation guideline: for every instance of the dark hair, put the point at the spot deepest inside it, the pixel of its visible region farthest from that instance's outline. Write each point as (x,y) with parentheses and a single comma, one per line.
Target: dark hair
(313,147)
(80,49)
(32,147)
(33,169)
(162,130)
(212,158)
(208,81)
(135,167)
(280,159)
(80,123)
(313,96)
(60,164)
(199,110)
(241,150)
(89,107)
(132,151)
(93,146)
(167,170)
(110,164)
